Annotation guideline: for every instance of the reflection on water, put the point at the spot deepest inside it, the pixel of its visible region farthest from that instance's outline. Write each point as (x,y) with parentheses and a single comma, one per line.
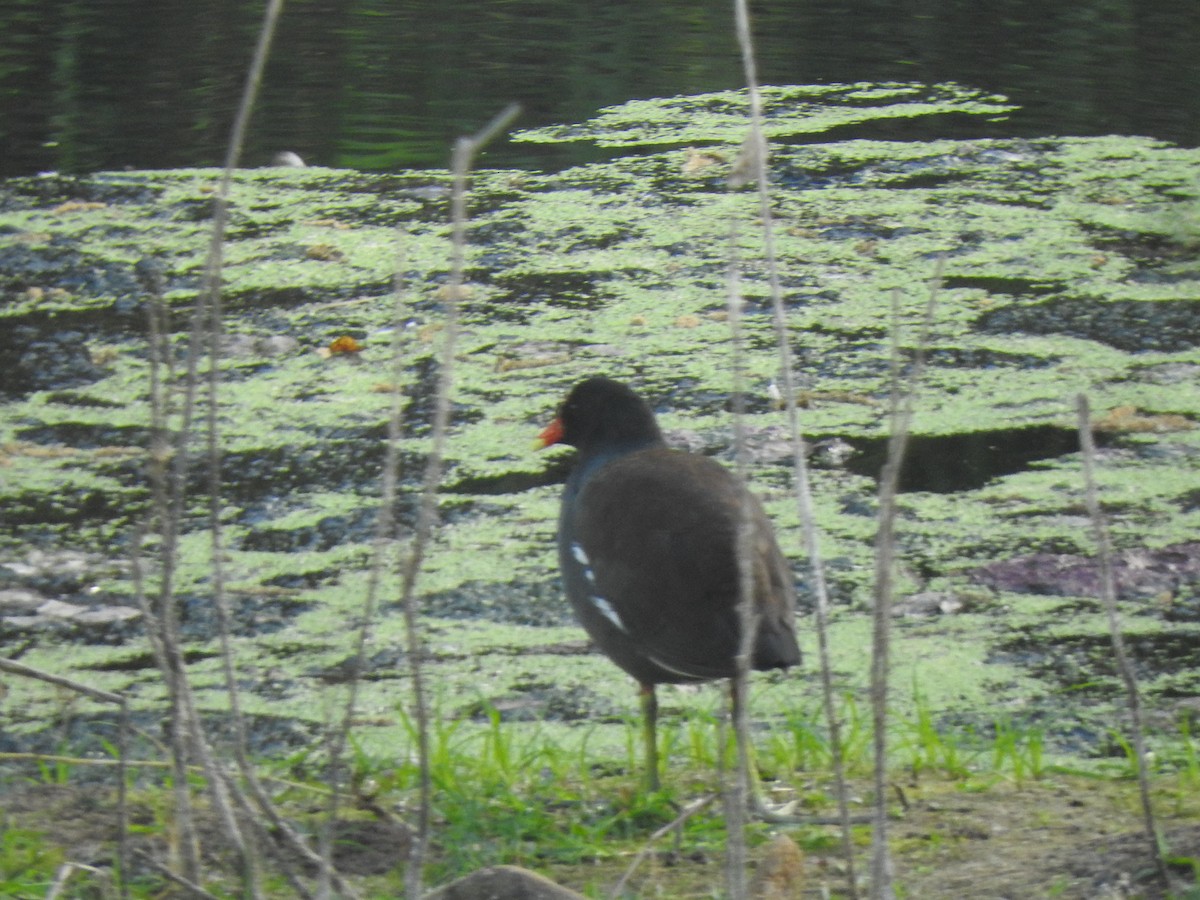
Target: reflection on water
(379,84)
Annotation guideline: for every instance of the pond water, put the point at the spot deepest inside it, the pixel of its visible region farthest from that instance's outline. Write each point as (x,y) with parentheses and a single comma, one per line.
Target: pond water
(111,84)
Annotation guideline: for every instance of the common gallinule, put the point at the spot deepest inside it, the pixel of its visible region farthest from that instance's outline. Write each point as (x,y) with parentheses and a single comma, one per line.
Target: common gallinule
(647,541)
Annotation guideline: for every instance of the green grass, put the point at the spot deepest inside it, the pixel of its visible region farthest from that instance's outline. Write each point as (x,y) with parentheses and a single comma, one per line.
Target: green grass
(55,771)
(27,862)
(521,793)
(1017,751)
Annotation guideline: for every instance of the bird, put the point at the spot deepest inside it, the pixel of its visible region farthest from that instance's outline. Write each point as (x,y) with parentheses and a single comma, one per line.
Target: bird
(647,548)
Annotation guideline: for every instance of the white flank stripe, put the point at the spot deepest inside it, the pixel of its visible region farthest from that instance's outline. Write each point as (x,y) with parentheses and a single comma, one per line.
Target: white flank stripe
(606,610)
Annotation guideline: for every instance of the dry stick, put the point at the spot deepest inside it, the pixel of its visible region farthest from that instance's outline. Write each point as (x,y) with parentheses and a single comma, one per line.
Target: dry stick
(60,880)
(150,274)
(191,887)
(1108,593)
(273,831)
(211,287)
(885,537)
(122,747)
(737,794)
(162,627)
(222,785)
(86,762)
(758,157)
(688,811)
(184,715)
(209,314)
(903,404)
(64,873)
(385,527)
(16,668)
(902,409)
(464,153)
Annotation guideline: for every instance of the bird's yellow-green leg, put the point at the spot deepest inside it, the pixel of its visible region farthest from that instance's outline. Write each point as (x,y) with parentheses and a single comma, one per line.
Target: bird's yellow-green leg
(649,735)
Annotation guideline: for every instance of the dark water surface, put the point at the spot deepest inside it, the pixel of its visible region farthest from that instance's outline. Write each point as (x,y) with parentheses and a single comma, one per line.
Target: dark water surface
(109,84)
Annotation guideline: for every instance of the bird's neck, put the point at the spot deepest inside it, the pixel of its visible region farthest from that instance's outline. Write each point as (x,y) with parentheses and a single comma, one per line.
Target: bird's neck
(592,459)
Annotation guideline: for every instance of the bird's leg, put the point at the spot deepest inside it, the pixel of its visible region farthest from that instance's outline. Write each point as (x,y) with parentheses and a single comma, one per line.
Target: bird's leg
(757,800)
(649,734)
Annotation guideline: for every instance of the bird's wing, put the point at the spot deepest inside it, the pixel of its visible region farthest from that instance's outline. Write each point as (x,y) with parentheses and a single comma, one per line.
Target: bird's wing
(665,565)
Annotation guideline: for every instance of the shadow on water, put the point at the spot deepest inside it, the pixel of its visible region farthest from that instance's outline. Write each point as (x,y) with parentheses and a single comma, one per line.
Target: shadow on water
(945,464)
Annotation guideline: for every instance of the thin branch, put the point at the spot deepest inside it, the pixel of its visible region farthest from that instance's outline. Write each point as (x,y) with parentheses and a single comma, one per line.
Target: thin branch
(16,668)
(170,493)
(122,747)
(219,785)
(382,542)
(902,408)
(688,811)
(757,158)
(166,472)
(258,802)
(464,153)
(64,873)
(736,794)
(188,885)
(212,288)
(1108,593)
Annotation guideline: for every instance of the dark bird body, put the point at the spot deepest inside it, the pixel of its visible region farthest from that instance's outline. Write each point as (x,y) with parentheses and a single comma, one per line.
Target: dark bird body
(647,544)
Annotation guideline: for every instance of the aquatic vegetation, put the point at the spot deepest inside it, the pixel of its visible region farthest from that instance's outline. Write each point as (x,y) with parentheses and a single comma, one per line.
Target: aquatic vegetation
(1066,270)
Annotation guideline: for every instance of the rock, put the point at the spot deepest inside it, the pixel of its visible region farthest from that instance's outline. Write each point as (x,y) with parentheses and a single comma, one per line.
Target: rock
(17,601)
(780,875)
(22,623)
(289,159)
(57,609)
(927,603)
(503,883)
(107,615)
(277,345)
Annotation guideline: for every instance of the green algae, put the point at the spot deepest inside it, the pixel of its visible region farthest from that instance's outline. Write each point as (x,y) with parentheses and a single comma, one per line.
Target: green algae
(616,266)
(789,111)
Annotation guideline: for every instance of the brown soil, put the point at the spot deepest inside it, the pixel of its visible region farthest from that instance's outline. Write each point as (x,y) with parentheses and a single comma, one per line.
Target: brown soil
(1063,837)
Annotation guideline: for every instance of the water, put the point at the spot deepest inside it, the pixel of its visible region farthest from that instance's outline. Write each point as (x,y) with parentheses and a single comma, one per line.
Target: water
(111,84)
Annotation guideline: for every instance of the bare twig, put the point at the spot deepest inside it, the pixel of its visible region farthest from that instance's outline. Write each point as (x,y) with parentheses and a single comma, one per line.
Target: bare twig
(464,153)
(170,493)
(122,747)
(383,541)
(166,486)
(1108,593)
(756,155)
(63,875)
(205,330)
(688,811)
(187,731)
(188,885)
(737,793)
(16,668)
(211,286)
(903,404)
